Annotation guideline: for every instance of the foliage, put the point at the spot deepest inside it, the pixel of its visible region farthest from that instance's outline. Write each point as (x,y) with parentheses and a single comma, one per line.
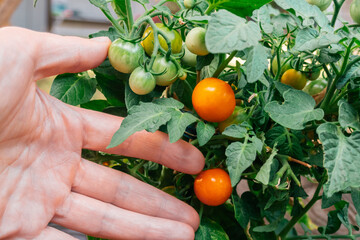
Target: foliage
(287,133)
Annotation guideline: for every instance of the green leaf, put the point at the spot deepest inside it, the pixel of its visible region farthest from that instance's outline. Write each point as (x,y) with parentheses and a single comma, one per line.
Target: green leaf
(241,209)
(96,105)
(241,8)
(235,131)
(330,201)
(353,72)
(111,33)
(73,88)
(309,39)
(348,116)
(296,111)
(268,169)
(268,228)
(210,230)
(183,91)
(209,70)
(340,158)
(355,196)
(333,223)
(329,56)
(146,116)
(239,157)
(237,35)
(263,16)
(306,11)
(256,63)
(178,123)
(204,132)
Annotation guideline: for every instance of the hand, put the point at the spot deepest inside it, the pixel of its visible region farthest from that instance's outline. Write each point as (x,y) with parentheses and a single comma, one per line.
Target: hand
(43,177)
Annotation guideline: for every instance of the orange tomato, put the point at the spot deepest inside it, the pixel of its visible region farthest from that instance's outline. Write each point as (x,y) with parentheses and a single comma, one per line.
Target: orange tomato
(213,187)
(213,99)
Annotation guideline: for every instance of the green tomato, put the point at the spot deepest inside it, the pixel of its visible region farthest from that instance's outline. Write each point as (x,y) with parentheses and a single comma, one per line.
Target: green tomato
(195,41)
(322,4)
(124,56)
(189,3)
(238,116)
(294,78)
(274,66)
(141,82)
(315,87)
(171,34)
(312,73)
(189,58)
(167,68)
(355,11)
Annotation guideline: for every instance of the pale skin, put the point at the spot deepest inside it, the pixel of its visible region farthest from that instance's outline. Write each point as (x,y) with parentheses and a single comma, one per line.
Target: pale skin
(43,177)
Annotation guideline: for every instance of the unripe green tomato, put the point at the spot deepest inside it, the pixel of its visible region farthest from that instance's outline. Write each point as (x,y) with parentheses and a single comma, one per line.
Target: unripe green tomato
(124,56)
(141,82)
(274,66)
(189,58)
(312,74)
(189,3)
(195,41)
(238,116)
(315,87)
(169,69)
(355,11)
(322,4)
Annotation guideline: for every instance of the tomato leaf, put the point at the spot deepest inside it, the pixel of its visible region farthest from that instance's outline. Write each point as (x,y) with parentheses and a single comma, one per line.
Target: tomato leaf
(210,229)
(236,36)
(235,131)
(96,105)
(256,63)
(353,72)
(241,210)
(340,158)
(309,39)
(327,202)
(111,33)
(204,132)
(268,169)
(73,88)
(239,157)
(241,8)
(295,111)
(178,123)
(348,116)
(355,196)
(306,11)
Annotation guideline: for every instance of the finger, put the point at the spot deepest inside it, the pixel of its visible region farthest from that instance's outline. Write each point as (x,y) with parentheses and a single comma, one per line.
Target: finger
(52,54)
(99,129)
(53,234)
(120,189)
(105,220)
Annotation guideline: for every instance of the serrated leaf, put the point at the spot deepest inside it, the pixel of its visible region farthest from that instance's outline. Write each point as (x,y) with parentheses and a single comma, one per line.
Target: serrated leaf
(258,143)
(235,131)
(146,116)
(296,111)
(210,230)
(227,32)
(330,201)
(178,123)
(239,157)
(169,102)
(73,88)
(256,63)
(306,11)
(111,33)
(204,132)
(267,169)
(241,210)
(348,116)
(341,158)
(309,39)
(241,8)
(353,72)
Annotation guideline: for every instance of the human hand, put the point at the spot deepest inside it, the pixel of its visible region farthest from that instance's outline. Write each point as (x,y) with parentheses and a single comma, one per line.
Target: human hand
(43,177)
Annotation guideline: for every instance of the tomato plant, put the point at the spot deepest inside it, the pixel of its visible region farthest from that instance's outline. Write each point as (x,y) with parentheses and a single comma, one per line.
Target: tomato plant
(124,56)
(173,36)
(213,99)
(355,11)
(213,187)
(257,125)
(294,78)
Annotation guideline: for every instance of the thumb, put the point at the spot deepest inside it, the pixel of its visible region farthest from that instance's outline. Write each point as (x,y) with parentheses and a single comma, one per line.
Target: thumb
(59,54)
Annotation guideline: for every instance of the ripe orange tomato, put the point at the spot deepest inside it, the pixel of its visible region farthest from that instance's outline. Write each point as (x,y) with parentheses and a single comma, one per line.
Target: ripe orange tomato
(213,187)
(213,99)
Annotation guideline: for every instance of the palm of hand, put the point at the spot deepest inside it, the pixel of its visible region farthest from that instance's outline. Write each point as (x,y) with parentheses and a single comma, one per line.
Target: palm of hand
(42,175)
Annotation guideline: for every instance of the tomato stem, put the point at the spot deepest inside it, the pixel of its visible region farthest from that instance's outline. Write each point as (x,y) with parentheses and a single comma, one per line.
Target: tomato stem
(224,64)
(337,6)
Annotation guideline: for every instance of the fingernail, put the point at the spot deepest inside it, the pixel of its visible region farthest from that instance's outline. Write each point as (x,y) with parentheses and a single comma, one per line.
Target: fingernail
(100,39)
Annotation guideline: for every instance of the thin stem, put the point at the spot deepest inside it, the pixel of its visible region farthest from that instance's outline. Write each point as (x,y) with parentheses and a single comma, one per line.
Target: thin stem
(296,218)
(129,15)
(337,6)
(114,22)
(224,64)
